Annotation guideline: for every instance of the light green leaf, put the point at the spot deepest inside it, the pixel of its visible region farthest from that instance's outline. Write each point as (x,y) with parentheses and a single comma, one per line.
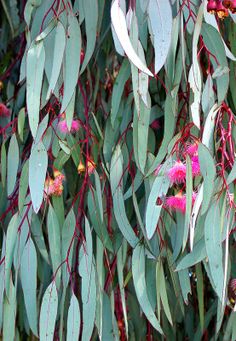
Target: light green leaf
(160,16)
(54,243)
(138,269)
(23,186)
(28,272)
(12,164)
(73,320)
(38,163)
(9,314)
(48,313)
(72,60)
(34,76)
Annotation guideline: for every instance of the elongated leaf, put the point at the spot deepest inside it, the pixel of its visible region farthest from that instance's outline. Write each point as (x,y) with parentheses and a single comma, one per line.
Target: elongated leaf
(59,48)
(10,244)
(29,283)
(34,76)
(138,269)
(72,60)
(24,183)
(118,200)
(73,320)
(12,164)
(9,314)
(48,313)
(214,247)
(160,16)
(119,24)
(38,163)
(54,243)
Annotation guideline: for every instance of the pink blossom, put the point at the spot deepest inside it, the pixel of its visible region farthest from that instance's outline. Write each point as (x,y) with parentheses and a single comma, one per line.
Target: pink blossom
(195,166)
(177,173)
(155,124)
(178,202)
(4,111)
(62,126)
(192,149)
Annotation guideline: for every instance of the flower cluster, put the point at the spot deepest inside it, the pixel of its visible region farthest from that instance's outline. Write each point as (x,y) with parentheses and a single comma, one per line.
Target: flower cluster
(54,186)
(177,175)
(75,126)
(221,8)
(4,111)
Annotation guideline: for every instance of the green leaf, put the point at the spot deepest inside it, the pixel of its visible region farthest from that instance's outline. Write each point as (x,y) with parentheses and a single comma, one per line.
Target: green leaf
(73,320)
(38,163)
(208,171)
(72,59)
(67,234)
(3,164)
(54,243)
(10,245)
(195,256)
(9,314)
(189,193)
(138,269)
(88,292)
(159,189)
(21,123)
(118,89)
(23,186)
(28,272)
(48,313)
(160,16)
(12,164)
(214,247)
(90,9)
(37,233)
(116,174)
(34,76)
(59,48)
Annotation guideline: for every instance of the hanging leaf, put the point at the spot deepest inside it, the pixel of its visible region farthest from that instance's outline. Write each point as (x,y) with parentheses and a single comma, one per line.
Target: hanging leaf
(12,164)
(73,320)
(34,76)
(138,269)
(9,313)
(160,16)
(28,271)
(38,163)
(48,313)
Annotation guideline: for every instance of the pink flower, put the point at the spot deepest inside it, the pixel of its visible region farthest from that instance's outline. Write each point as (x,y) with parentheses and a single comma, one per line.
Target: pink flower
(4,111)
(62,126)
(195,166)
(192,149)
(178,202)
(177,173)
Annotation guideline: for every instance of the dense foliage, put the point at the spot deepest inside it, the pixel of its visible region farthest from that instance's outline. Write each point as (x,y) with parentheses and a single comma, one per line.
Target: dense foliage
(117,192)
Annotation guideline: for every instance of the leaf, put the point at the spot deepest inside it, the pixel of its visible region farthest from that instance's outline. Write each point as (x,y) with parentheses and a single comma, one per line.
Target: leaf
(160,16)
(38,163)
(67,234)
(59,48)
(21,123)
(73,320)
(90,8)
(3,164)
(119,24)
(214,247)
(9,314)
(189,193)
(10,245)
(208,171)
(34,76)
(118,88)
(195,256)
(138,269)
(54,243)
(72,60)
(12,164)
(159,189)
(48,313)
(88,292)
(23,186)
(116,173)
(28,271)
(37,233)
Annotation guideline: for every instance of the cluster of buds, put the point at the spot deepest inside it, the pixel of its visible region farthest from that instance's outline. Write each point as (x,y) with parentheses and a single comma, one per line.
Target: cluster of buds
(90,166)
(177,175)
(221,8)
(54,186)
